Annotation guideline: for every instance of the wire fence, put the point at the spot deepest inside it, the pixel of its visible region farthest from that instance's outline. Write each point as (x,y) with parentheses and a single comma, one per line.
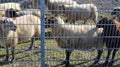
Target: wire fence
(59,33)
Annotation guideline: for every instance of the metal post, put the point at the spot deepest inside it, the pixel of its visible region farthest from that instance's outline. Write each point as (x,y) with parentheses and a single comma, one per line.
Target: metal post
(42,6)
(33,6)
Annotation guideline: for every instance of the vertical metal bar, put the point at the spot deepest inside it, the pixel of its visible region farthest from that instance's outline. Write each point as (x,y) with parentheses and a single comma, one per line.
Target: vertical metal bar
(42,9)
(33,4)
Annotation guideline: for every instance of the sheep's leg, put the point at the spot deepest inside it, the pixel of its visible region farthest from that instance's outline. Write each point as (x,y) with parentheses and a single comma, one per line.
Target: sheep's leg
(12,51)
(113,56)
(66,62)
(108,55)
(94,21)
(7,54)
(98,56)
(85,21)
(32,41)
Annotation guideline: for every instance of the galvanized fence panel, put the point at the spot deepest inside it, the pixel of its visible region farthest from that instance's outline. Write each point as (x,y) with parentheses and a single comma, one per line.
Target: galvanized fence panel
(60,43)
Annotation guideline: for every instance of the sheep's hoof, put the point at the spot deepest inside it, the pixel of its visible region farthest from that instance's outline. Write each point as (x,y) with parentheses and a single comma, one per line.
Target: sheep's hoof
(95,62)
(106,63)
(30,48)
(66,63)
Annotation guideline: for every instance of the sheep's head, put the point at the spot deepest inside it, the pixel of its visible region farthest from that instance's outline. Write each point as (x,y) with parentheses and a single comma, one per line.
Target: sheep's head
(116,11)
(104,22)
(50,21)
(7,25)
(11,13)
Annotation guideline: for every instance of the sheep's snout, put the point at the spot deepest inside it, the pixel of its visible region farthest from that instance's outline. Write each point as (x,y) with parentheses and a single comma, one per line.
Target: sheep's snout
(14,28)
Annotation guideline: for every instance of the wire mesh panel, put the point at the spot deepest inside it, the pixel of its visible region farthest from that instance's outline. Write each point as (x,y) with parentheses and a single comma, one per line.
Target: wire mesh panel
(59,33)
(81,33)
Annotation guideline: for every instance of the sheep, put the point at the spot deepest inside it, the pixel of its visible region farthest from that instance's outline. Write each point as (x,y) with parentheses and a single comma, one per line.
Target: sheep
(80,12)
(110,28)
(61,30)
(116,11)
(35,12)
(28,32)
(7,33)
(31,29)
(26,19)
(5,6)
(12,13)
(54,4)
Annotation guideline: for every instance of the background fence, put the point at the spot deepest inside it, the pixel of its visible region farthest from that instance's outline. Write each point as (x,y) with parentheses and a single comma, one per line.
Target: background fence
(46,50)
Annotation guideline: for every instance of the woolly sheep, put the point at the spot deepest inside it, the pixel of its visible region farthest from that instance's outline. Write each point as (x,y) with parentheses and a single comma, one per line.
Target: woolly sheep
(31,29)
(35,12)
(7,28)
(60,29)
(4,6)
(80,12)
(110,28)
(28,27)
(116,11)
(54,4)
(12,13)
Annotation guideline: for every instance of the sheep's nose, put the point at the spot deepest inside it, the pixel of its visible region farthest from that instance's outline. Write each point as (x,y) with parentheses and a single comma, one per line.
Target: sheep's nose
(15,27)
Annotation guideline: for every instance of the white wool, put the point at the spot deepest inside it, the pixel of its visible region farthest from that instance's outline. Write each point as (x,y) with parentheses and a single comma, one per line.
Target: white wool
(80,12)
(76,31)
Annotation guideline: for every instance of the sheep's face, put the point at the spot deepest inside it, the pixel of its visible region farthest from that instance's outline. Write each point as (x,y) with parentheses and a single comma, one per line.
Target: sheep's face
(51,21)
(10,13)
(7,25)
(104,22)
(115,11)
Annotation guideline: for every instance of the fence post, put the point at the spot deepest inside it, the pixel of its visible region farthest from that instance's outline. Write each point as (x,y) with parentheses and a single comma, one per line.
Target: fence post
(33,4)
(42,9)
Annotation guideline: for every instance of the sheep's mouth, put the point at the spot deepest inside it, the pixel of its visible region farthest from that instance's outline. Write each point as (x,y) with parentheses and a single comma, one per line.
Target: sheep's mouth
(13,29)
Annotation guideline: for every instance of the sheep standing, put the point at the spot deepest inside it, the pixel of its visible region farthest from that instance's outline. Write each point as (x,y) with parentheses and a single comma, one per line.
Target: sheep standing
(29,30)
(110,28)
(80,12)
(54,4)
(8,36)
(28,27)
(35,12)
(12,13)
(62,30)
(5,6)
(116,11)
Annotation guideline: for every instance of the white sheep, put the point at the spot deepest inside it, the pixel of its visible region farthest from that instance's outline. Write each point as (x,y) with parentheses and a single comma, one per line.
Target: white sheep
(54,4)
(7,28)
(13,13)
(35,12)
(75,36)
(4,6)
(28,28)
(80,12)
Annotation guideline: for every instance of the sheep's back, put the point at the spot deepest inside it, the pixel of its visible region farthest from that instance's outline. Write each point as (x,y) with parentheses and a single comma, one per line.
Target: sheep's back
(25,28)
(80,36)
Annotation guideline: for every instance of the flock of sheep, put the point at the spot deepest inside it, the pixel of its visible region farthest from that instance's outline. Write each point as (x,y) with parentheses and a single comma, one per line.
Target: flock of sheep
(17,25)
